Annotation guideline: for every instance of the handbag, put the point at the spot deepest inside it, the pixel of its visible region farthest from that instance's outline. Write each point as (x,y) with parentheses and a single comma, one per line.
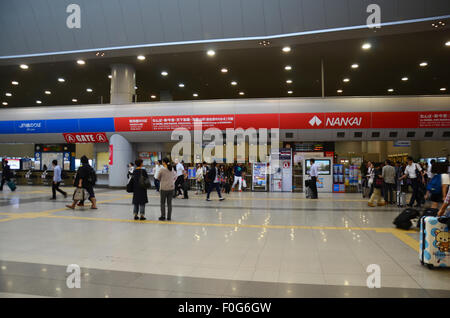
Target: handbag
(130,185)
(78,194)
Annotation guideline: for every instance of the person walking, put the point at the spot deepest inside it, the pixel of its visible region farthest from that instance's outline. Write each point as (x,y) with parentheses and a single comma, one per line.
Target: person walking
(141,183)
(214,182)
(56,180)
(130,170)
(400,184)
(370,176)
(6,174)
(377,186)
(437,187)
(158,167)
(413,172)
(180,178)
(237,177)
(166,188)
(85,179)
(388,174)
(199,178)
(314,173)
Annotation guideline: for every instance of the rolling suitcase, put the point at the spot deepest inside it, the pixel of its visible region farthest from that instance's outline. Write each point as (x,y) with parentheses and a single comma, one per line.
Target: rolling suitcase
(434,244)
(401,199)
(11,185)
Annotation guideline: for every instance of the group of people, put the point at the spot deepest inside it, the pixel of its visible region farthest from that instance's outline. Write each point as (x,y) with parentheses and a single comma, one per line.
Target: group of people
(228,177)
(387,183)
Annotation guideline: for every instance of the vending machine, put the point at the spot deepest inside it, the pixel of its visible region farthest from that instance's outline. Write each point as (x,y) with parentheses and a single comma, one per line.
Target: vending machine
(325,178)
(259,176)
(281,174)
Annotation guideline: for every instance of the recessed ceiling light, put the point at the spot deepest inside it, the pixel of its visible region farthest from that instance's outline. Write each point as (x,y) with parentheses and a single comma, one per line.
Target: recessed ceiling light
(290,92)
(366,46)
(164,73)
(38,102)
(390,90)
(288,67)
(447,43)
(234,83)
(241,93)
(224,70)
(110,76)
(141,57)
(15,83)
(81,62)
(211,52)
(404,79)
(89,90)
(24,66)
(74,100)
(195,95)
(153,96)
(61,80)
(181,85)
(355,65)
(47,92)
(135,87)
(423,64)
(346,80)
(5,104)
(286,49)
(443,89)
(8,94)
(339,91)
(289,81)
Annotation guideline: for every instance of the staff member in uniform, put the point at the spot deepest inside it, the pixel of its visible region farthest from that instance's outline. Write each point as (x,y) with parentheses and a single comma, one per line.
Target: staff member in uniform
(56,180)
(314,173)
(413,171)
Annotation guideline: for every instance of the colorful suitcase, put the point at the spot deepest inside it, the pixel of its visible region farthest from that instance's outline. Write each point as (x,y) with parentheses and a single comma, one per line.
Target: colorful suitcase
(434,242)
(11,185)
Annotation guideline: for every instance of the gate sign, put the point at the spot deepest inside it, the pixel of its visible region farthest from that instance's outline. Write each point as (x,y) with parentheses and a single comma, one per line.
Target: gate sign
(85,138)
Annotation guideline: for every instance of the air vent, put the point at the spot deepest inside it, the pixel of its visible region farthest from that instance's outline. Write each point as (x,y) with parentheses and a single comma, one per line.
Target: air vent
(446,134)
(376,134)
(411,134)
(358,134)
(393,134)
(289,135)
(428,134)
(341,134)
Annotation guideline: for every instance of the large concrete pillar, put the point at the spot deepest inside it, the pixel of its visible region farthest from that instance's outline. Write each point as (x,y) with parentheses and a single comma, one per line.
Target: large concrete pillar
(123,81)
(122,155)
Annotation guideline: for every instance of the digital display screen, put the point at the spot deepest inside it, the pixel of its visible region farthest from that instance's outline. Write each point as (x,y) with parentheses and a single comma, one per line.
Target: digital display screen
(14,164)
(324,166)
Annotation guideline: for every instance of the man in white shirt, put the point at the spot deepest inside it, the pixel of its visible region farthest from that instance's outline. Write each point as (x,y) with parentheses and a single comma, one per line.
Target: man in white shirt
(180,178)
(314,173)
(429,173)
(413,172)
(156,173)
(57,180)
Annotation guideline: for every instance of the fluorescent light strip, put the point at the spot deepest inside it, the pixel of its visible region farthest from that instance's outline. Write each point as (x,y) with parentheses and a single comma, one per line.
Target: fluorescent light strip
(358,27)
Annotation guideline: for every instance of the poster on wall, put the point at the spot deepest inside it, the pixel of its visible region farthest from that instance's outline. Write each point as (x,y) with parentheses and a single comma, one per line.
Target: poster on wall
(111,155)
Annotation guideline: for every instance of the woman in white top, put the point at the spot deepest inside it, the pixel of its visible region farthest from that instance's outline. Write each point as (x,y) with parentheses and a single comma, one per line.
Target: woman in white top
(370,176)
(199,178)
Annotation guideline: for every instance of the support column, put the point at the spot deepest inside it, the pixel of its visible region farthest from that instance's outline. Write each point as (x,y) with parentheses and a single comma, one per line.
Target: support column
(122,155)
(123,82)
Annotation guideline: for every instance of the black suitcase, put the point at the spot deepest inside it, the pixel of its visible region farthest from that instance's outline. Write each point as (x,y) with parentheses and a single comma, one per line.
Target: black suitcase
(403,220)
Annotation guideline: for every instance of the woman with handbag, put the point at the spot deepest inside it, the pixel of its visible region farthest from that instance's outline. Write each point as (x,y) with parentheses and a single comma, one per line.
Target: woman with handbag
(377,185)
(84,180)
(140,183)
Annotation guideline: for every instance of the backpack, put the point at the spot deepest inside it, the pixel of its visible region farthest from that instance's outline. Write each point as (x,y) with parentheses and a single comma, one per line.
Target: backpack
(403,220)
(144,182)
(435,185)
(92,177)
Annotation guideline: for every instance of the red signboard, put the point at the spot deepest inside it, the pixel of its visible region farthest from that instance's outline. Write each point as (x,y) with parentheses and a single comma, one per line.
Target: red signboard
(394,120)
(85,138)
(133,124)
(257,121)
(434,119)
(325,121)
(167,123)
(111,153)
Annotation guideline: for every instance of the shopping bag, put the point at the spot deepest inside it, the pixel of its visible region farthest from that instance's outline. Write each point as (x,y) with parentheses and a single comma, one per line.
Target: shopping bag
(78,194)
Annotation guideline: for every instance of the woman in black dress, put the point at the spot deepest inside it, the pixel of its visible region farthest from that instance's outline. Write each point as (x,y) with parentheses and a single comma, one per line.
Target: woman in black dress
(141,183)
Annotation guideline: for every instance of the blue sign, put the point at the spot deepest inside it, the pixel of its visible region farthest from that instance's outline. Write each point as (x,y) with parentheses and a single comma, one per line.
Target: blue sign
(62,125)
(96,124)
(402,143)
(30,127)
(7,127)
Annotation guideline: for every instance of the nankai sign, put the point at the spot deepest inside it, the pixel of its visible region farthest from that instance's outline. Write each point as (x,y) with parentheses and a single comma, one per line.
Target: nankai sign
(85,138)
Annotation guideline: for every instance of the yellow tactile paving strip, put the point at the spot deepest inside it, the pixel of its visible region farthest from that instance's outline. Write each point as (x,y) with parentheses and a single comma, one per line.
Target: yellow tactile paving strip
(400,234)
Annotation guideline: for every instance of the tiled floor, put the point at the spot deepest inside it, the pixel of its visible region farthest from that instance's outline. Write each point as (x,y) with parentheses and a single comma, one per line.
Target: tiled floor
(250,245)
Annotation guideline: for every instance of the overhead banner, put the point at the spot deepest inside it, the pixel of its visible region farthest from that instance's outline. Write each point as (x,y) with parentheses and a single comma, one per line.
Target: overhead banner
(133,124)
(168,123)
(85,138)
